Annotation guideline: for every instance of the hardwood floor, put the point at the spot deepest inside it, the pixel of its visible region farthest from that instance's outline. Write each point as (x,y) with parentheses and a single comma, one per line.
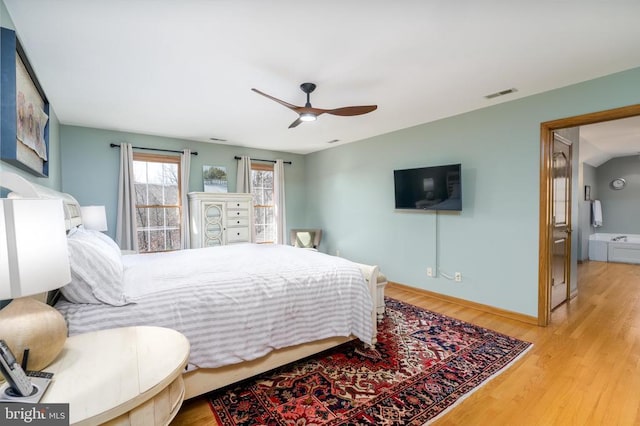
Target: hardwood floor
(584,369)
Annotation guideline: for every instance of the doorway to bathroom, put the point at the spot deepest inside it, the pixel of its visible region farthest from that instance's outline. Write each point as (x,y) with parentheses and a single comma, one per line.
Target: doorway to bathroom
(547,236)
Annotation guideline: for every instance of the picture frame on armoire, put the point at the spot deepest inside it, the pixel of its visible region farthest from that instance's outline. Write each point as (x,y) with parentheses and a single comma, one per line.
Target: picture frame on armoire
(214,179)
(24,112)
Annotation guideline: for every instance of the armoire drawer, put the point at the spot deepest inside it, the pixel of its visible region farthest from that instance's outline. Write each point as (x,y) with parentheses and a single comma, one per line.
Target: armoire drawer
(238,221)
(235,235)
(238,205)
(233,213)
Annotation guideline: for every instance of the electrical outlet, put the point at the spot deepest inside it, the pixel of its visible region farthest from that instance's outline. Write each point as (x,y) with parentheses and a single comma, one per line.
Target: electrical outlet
(430,272)
(338,253)
(457,277)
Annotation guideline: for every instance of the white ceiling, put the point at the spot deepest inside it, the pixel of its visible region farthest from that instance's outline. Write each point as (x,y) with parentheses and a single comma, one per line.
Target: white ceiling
(184,69)
(602,141)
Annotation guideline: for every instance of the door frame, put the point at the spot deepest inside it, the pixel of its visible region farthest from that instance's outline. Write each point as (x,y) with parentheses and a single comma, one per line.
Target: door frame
(545,227)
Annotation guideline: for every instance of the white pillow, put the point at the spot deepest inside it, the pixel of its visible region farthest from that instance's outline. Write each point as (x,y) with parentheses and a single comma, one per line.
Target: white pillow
(96,270)
(104,238)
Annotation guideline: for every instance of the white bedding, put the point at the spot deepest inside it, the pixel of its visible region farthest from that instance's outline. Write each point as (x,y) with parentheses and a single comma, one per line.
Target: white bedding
(236,303)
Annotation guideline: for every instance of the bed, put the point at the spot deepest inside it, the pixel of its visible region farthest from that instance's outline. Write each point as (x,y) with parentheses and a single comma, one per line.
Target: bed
(245,308)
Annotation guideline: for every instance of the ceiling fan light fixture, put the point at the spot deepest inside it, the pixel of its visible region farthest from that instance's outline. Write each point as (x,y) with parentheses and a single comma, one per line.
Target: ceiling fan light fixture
(308,116)
(308,113)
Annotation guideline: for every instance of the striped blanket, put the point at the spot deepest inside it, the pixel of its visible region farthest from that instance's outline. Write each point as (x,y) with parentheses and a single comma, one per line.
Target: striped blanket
(236,303)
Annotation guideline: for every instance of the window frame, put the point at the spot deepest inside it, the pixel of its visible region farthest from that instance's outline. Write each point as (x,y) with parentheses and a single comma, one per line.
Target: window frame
(163,159)
(269,167)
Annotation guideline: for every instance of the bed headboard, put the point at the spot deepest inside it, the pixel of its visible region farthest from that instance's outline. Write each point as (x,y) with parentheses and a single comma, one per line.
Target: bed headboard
(19,187)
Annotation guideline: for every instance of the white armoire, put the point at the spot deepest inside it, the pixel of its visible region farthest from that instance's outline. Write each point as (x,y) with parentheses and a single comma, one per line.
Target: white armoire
(219,219)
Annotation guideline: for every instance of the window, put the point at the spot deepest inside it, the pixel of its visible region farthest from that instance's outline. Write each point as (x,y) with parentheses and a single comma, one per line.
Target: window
(264,210)
(158,209)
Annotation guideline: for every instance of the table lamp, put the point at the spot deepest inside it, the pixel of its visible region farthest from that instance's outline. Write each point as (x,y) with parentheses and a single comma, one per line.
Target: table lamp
(94,217)
(33,259)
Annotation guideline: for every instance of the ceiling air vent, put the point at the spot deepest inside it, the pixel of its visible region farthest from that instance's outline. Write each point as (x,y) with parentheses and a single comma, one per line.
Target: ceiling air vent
(501,93)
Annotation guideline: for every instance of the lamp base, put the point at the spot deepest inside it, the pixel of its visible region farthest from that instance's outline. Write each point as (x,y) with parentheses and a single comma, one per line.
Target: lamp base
(27,323)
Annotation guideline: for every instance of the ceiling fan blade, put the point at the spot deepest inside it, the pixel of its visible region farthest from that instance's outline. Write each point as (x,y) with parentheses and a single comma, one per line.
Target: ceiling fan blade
(295,123)
(309,113)
(352,110)
(281,102)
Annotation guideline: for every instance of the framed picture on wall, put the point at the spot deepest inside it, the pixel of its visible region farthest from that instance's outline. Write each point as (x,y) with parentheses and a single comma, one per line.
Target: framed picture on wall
(214,178)
(587,192)
(25,111)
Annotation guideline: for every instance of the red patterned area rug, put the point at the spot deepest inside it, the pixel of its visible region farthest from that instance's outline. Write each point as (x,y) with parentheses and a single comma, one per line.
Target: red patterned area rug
(423,364)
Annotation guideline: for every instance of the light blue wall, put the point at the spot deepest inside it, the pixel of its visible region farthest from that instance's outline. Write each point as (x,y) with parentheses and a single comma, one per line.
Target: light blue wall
(5,19)
(620,208)
(585,228)
(91,167)
(493,242)
(54,180)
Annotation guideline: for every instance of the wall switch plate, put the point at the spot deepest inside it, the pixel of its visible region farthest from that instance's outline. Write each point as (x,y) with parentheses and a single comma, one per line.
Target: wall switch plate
(430,272)
(457,277)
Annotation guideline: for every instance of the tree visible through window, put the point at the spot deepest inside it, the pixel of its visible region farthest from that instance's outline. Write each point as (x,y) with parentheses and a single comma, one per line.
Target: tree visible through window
(264,210)
(158,208)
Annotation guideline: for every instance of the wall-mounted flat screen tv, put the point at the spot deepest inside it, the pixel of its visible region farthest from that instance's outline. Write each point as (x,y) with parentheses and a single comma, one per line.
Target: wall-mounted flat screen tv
(429,188)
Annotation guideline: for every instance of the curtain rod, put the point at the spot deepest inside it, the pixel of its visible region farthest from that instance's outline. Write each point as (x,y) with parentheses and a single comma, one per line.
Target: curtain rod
(114,145)
(258,159)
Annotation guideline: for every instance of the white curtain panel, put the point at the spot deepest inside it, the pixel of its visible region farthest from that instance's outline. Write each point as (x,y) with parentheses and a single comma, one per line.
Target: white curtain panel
(185,170)
(279,202)
(126,229)
(243,181)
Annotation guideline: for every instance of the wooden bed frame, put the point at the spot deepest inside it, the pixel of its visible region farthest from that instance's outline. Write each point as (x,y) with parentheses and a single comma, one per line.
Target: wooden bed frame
(203,380)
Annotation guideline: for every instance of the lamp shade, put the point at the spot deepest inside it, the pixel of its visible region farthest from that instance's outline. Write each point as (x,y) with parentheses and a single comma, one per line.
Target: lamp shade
(94,217)
(33,247)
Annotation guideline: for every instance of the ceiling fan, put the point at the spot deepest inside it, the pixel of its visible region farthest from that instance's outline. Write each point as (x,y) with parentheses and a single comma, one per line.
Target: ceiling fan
(308,113)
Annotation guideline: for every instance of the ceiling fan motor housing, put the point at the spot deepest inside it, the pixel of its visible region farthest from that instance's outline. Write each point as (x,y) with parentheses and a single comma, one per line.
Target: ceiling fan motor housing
(308,87)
